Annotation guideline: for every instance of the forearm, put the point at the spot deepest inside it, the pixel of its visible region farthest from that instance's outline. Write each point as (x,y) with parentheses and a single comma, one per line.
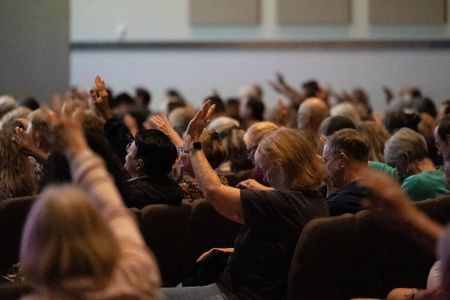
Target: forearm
(205,175)
(225,200)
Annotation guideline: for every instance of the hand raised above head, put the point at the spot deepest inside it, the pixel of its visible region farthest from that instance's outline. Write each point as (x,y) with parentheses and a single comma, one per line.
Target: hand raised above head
(198,123)
(67,128)
(100,98)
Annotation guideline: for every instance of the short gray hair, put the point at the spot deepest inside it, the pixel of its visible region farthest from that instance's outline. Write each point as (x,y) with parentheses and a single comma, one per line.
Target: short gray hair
(405,144)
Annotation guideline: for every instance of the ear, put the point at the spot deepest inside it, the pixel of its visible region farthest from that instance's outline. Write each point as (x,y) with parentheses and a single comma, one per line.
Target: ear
(140,165)
(344,158)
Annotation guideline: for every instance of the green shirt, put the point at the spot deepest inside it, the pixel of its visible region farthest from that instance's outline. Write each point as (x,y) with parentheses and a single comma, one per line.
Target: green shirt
(427,184)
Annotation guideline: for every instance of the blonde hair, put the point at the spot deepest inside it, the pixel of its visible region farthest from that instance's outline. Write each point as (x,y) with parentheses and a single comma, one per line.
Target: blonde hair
(65,238)
(377,136)
(290,160)
(257,132)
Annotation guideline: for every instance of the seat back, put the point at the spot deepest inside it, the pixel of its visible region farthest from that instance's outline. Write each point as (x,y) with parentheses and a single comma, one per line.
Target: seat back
(322,266)
(207,229)
(13,214)
(164,228)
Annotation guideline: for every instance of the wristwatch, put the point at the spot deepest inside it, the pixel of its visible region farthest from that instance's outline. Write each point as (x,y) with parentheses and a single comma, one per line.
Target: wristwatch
(194,147)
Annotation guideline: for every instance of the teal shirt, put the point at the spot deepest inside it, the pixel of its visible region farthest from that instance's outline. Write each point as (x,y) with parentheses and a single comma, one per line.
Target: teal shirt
(427,184)
(383,168)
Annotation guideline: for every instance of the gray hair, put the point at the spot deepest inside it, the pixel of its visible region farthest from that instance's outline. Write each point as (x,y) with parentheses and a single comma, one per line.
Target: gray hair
(405,145)
(347,110)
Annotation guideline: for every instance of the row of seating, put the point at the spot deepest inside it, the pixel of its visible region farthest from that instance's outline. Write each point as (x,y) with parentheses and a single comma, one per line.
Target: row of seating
(359,256)
(335,258)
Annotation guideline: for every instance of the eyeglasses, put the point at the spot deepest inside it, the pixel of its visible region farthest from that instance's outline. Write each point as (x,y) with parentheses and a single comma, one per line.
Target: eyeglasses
(251,152)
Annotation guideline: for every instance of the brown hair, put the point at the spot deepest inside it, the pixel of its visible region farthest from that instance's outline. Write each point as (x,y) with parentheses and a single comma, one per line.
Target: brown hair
(214,150)
(17,176)
(290,160)
(65,238)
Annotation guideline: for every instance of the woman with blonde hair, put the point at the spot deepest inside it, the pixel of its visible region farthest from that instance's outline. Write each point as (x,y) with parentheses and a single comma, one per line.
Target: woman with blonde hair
(252,137)
(377,135)
(271,219)
(80,242)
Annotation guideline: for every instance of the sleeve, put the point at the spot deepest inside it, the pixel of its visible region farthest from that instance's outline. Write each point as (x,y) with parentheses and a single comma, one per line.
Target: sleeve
(265,207)
(89,173)
(136,261)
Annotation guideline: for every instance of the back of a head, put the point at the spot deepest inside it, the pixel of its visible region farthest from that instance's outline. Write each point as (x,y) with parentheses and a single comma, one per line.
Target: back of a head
(58,244)
(332,124)
(256,108)
(395,120)
(257,132)
(290,160)
(223,125)
(377,135)
(218,102)
(180,117)
(311,113)
(405,144)
(214,150)
(251,90)
(346,109)
(144,96)
(30,103)
(443,128)
(310,88)
(7,103)
(351,142)
(157,152)
(40,121)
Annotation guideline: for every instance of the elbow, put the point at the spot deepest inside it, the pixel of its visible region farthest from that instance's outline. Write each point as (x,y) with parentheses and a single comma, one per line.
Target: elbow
(212,192)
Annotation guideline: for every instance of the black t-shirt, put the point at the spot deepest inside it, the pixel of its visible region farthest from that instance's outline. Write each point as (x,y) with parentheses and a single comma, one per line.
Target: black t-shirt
(147,190)
(346,199)
(263,250)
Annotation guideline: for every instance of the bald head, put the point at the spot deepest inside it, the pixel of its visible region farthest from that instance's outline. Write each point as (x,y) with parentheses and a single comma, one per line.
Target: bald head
(311,113)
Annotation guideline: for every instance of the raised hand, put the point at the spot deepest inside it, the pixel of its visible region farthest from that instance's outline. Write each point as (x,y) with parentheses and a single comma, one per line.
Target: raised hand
(198,123)
(68,129)
(100,98)
(162,123)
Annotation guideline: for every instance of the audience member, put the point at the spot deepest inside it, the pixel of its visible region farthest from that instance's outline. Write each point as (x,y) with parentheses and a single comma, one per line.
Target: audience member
(80,242)
(17,175)
(252,137)
(345,155)
(407,151)
(149,162)
(259,264)
(310,115)
(251,111)
(377,136)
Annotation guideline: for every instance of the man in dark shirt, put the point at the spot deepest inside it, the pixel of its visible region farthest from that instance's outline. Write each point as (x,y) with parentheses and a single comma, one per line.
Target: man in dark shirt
(149,161)
(346,155)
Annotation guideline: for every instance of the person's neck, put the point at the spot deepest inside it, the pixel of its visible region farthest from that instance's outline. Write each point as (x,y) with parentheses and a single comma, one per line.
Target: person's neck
(355,171)
(425,165)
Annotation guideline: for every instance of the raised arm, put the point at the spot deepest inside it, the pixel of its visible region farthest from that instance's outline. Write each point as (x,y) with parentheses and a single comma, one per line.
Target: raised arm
(163,124)
(226,200)
(116,132)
